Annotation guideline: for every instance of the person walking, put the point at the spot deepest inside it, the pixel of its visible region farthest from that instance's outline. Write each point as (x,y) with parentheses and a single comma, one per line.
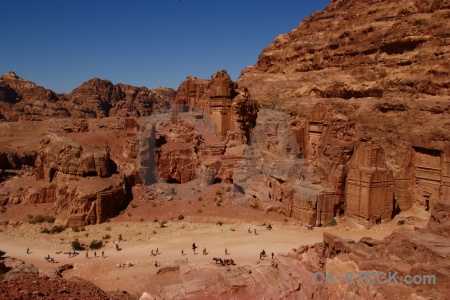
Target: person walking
(226,251)
(28,250)
(103,253)
(87,254)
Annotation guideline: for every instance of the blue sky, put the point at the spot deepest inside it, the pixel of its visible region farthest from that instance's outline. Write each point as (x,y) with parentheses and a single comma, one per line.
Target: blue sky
(61,44)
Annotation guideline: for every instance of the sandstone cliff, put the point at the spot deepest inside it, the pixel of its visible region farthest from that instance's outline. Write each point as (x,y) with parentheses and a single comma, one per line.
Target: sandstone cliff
(360,76)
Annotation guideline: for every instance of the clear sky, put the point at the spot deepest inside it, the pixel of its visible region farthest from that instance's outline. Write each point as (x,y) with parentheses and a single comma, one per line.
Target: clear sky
(60,44)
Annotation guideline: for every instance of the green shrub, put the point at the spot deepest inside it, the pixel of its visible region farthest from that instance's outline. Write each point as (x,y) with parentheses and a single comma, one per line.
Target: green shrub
(220,223)
(39,219)
(75,229)
(56,229)
(96,244)
(106,237)
(180,217)
(76,245)
(108,228)
(333,222)
(50,219)
(44,230)
(155,220)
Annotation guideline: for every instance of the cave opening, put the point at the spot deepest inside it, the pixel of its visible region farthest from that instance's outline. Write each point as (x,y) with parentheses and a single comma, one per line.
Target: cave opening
(217,180)
(90,174)
(52,174)
(395,208)
(161,140)
(173,180)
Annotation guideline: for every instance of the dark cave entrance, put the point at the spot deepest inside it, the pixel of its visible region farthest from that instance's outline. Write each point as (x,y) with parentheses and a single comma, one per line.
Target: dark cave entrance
(52,174)
(395,208)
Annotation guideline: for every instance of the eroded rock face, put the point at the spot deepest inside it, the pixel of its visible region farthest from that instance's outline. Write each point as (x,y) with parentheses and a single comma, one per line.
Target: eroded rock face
(70,159)
(82,182)
(176,152)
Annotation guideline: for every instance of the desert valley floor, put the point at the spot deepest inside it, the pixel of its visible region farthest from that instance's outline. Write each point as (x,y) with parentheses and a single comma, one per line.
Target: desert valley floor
(141,237)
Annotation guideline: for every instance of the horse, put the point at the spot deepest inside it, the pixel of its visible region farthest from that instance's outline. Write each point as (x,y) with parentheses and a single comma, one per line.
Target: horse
(218,260)
(228,262)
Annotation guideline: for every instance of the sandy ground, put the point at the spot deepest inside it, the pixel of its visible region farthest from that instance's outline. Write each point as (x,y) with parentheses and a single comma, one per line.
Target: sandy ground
(140,238)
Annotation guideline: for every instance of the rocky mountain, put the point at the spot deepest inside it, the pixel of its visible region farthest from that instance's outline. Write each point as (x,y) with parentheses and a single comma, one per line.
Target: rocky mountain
(359,49)
(366,87)
(23,100)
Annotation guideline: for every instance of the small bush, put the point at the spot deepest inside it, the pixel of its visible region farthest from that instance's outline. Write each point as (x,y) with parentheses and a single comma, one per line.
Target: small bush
(96,244)
(50,219)
(220,223)
(106,237)
(45,230)
(76,245)
(57,229)
(120,237)
(219,203)
(133,205)
(180,217)
(39,219)
(162,224)
(108,228)
(75,229)
(333,222)
(82,229)
(155,220)
(219,193)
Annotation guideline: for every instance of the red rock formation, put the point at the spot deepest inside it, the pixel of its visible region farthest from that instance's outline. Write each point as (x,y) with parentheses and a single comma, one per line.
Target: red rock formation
(369,186)
(56,156)
(372,72)
(177,145)
(22,99)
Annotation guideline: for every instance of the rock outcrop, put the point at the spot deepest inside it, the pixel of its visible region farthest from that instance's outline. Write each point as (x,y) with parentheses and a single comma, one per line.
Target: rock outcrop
(58,156)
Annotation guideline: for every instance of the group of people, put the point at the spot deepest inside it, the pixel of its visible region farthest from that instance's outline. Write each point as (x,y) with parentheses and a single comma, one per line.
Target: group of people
(95,254)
